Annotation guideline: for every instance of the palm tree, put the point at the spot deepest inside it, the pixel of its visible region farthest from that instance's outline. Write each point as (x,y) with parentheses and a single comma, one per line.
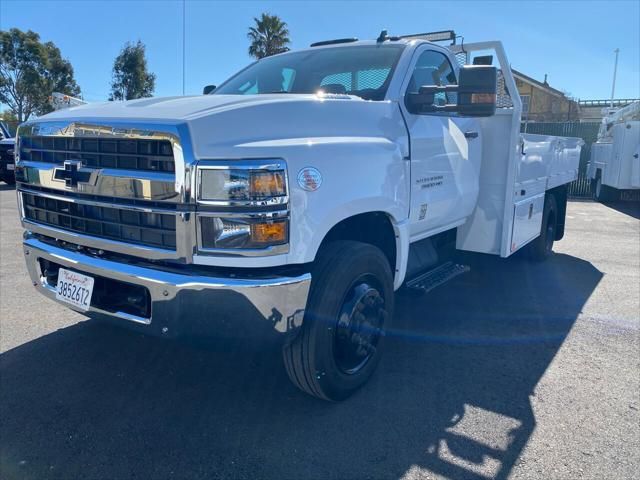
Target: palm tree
(269,36)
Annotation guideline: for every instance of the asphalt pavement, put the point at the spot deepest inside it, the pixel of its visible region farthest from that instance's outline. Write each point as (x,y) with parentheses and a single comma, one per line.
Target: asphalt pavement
(513,370)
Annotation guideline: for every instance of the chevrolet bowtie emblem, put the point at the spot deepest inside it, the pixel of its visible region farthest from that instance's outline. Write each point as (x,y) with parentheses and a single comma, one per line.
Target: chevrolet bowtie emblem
(72,174)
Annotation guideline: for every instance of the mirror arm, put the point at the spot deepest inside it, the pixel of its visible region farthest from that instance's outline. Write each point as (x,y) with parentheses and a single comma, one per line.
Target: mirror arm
(430,89)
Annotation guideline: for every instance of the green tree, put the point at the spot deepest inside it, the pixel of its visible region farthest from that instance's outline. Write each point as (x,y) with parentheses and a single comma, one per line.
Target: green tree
(269,36)
(8,116)
(30,71)
(10,120)
(131,79)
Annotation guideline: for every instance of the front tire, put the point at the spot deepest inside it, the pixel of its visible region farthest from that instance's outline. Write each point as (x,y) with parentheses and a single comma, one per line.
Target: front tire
(542,247)
(341,339)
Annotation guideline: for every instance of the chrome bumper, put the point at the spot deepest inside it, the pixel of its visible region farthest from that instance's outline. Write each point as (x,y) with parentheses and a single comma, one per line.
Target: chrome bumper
(179,299)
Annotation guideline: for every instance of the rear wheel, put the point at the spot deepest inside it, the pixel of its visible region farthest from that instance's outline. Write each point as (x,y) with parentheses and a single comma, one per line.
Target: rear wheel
(601,193)
(542,247)
(351,302)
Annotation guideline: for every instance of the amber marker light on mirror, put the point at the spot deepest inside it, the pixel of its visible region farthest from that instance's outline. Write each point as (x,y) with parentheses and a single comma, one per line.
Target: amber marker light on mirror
(483,98)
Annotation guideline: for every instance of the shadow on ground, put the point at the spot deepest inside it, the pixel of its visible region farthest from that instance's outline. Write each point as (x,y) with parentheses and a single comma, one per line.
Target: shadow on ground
(451,396)
(631,208)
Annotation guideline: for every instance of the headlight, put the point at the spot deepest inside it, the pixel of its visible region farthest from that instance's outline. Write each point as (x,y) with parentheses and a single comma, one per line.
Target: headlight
(232,233)
(254,184)
(243,207)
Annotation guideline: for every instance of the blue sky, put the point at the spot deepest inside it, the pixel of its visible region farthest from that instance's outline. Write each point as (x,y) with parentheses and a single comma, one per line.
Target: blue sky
(571,41)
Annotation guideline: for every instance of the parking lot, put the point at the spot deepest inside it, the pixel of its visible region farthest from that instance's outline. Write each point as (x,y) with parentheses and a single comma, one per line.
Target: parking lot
(513,370)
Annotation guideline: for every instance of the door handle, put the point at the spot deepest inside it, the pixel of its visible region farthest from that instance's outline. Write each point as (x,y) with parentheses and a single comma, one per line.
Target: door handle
(471,134)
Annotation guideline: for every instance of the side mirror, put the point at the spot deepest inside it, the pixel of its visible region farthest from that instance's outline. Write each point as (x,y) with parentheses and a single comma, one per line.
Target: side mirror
(208,89)
(476,89)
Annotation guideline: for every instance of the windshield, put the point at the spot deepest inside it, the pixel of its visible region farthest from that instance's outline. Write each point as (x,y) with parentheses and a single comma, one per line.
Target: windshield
(364,71)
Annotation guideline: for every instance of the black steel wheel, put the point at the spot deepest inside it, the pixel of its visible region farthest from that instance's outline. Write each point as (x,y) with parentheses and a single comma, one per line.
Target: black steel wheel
(341,339)
(359,326)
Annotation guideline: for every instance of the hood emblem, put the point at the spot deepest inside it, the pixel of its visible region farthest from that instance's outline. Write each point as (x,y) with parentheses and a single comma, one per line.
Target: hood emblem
(71,174)
(309,179)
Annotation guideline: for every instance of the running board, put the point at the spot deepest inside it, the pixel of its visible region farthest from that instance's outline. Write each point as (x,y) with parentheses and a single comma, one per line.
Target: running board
(436,277)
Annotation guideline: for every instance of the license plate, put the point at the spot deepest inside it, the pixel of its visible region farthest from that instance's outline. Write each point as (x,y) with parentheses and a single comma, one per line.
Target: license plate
(11,166)
(74,288)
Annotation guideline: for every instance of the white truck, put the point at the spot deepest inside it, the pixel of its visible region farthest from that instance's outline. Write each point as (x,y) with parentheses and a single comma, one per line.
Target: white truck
(297,197)
(614,167)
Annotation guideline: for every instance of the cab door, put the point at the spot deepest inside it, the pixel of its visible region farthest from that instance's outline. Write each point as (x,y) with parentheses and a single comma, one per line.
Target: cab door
(445,151)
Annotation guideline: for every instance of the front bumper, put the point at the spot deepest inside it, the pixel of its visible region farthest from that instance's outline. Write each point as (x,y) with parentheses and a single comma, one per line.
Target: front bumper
(179,301)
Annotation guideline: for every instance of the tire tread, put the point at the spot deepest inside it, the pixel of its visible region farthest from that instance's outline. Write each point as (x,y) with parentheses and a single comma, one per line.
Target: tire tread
(298,352)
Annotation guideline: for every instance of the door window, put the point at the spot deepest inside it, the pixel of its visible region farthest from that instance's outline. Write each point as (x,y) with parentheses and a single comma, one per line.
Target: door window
(434,68)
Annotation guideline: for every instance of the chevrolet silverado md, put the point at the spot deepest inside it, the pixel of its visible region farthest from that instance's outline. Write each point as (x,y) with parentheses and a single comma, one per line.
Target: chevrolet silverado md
(299,194)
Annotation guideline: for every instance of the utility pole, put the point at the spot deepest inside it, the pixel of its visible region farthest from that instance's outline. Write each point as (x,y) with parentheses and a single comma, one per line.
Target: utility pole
(184,2)
(615,69)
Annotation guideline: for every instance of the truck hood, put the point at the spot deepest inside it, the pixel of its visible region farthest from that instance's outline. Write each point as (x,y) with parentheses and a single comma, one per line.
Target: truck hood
(180,108)
(232,126)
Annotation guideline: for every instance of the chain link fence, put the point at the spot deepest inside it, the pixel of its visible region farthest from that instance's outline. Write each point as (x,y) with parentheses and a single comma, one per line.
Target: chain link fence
(588,131)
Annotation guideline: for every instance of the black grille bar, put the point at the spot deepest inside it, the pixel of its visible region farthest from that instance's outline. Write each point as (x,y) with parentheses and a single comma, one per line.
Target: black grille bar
(142,228)
(121,153)
(116,201)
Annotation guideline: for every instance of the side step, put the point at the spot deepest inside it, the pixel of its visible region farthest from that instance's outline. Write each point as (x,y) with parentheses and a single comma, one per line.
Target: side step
(436,277)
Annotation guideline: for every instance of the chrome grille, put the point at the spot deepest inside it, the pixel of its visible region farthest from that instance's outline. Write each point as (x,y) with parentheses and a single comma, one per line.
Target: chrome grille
(121,224)
(127,193)
(119,153)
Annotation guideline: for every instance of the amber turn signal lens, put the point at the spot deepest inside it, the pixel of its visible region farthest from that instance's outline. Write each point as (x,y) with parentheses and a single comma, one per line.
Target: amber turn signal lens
(269,233)
(267,184)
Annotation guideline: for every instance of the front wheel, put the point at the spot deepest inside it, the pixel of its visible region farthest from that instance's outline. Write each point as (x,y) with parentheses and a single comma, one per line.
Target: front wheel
(351,302)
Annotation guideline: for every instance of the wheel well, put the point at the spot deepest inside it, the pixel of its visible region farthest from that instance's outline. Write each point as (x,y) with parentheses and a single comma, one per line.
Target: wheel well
(374,228)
